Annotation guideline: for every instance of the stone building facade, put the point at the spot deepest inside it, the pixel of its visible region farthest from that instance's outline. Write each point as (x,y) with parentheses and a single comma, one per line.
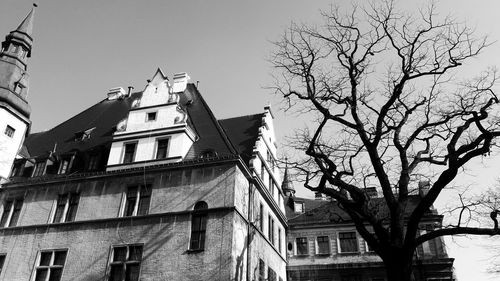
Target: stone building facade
(144,185)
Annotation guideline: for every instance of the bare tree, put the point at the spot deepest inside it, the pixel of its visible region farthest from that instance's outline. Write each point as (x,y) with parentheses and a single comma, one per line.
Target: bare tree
(381,85)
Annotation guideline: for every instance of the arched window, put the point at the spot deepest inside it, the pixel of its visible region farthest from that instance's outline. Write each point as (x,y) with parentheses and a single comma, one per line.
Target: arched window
(198,226)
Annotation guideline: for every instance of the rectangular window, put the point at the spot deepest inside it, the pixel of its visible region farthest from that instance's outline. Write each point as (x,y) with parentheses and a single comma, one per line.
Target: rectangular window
(151,116)
(279,240)
(348,242)
(17,169)
(2,262)
(9,131)
(137,200)
(129,153)
(298,207)
(64,166)
(11,212)
(262,270)
(270,230)
(271,274)
(198,229)
(125,263)
(66,207)
(39,169)
(323,245)
(262,171)
(49,265)
(261,217)
(301,246)
(93,162)
(271,185)
(162,148)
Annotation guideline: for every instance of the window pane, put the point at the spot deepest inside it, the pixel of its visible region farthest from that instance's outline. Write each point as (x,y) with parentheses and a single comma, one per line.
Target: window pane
(128,156)
(116,272)
(41,274)
(132,273)
(6,211)
(59,257)
(162,150)
(135,253)
(61,204)
(301,246)
(55,274)
(45,258)
(323,245)
(73,205)
(348,242)
(144,201)
(131,198)
(17,211)
(120,254)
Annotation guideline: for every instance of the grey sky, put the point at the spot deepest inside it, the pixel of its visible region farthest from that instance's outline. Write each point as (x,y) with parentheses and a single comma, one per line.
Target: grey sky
(83,48)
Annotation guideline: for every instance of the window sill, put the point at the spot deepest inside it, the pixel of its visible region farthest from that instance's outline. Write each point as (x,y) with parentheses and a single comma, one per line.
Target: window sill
(301,255)
(350,253)
(323,254)
(194,251)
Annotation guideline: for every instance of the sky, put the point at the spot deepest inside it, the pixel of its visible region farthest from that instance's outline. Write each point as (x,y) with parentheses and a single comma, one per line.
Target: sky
(83,48)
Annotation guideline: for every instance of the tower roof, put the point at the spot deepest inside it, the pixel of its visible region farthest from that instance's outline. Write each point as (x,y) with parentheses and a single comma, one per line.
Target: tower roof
(26,25)
(287,184)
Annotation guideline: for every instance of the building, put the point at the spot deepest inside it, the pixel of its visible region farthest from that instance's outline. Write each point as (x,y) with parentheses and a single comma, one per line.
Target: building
(144,185)
(323,244)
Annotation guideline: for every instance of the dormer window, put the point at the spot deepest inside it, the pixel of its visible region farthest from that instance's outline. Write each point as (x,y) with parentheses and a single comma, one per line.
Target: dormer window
(65,165)
(150,116)
(9,131)
(39,168)
(298,207)
(84,135)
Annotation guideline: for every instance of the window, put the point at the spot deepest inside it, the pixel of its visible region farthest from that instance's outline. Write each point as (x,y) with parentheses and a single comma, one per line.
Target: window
(151,116)
(11,212)
(129,153)
(49,265)
(298,207)
(262,270)
(368,248)
(198,226)
(262,171)
(301,245)
(125,263)
(348,242)
(66,207)
(9,131)
(2,261)
(279,240)
(39,169)
(271,274)
(93,162)
(271,185)
(270,230)
(64,166)
(137,201)
(162,149)
(17,169)
(261,217)
(323,245)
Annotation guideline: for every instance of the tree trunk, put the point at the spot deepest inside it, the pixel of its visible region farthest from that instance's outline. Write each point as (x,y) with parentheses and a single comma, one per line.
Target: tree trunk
(398,267)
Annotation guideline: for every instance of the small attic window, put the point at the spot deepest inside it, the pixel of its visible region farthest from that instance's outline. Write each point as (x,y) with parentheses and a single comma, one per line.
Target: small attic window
(9,131)
(84,135)
(151,116)
(298,207)
(208,153)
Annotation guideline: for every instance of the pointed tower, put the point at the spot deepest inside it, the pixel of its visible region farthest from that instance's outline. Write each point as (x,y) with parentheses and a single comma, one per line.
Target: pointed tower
(14,109)
(287,185)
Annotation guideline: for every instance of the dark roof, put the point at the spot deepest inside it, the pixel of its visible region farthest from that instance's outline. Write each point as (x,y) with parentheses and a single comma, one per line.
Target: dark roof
(243,132)
(105,115)
(329,211)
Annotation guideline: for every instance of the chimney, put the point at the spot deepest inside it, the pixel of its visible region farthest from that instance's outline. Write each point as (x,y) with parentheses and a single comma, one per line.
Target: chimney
(423,187)
(116,93)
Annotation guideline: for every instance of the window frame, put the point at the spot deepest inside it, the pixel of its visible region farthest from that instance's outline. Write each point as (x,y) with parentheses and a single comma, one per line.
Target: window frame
(9,131)
(154,114)
(199,234)
(328,247)
(3,257)
(306,248)
(37,172)
(124,153)
(139,197)
(8,216)
(51,264)
(167,148)
(111,261)
(339,245)
(69,209)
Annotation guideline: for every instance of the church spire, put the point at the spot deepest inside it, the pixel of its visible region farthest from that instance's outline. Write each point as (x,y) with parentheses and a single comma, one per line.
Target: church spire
(26,25)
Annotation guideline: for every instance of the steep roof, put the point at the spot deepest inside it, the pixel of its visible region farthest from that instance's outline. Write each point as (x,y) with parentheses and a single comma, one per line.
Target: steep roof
(26,26)
(243,132)
(102,118)
(326,211)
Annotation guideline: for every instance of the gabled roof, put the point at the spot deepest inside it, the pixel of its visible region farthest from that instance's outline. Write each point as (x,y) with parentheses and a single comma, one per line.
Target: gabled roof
(100,120)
